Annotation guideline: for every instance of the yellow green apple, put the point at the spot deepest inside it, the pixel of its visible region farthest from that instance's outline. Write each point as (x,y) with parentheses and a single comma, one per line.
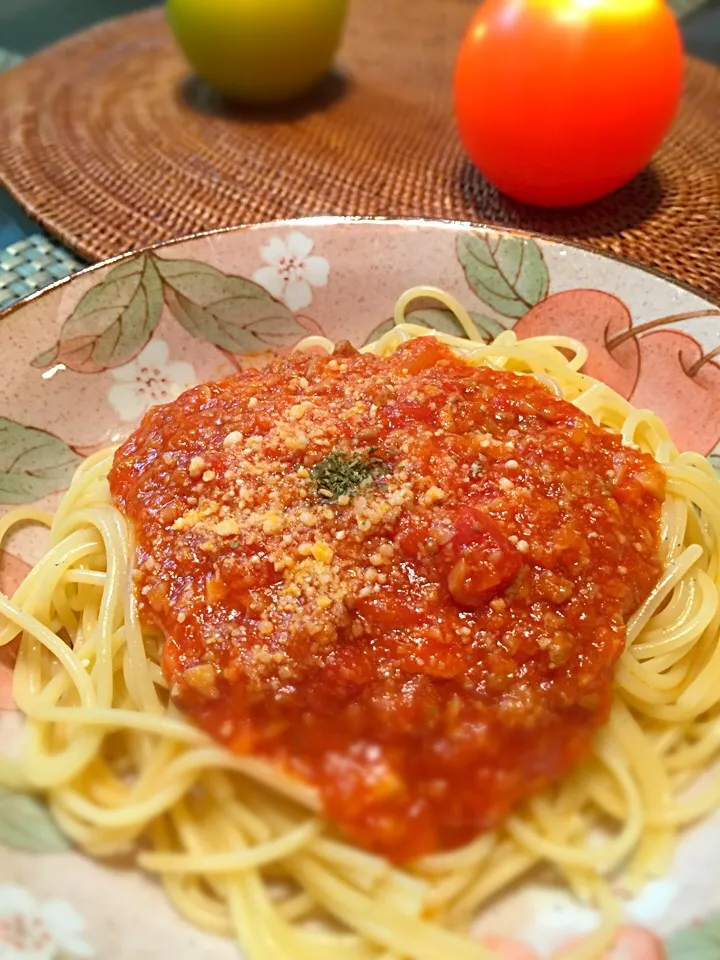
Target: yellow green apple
(259,51)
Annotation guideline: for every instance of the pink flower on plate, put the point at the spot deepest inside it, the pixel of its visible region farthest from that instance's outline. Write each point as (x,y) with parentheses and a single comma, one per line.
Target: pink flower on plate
(291,272)
(632,943)
(637,943)
(30,930)
(505,949)
(147,380)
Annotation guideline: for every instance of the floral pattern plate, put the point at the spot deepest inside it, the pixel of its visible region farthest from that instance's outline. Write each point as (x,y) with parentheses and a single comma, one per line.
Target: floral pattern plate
(82,361)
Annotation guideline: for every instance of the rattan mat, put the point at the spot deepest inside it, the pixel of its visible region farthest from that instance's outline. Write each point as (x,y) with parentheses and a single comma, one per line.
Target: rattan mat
(107,141)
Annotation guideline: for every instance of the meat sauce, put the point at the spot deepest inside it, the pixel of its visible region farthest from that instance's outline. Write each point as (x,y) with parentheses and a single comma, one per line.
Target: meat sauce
(404,581)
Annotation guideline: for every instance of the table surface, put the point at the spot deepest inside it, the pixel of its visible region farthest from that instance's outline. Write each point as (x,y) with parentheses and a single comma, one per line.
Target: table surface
(29,25)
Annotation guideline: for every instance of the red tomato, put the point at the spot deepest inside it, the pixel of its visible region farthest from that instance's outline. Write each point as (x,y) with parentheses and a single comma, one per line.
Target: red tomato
(484,561)
(559,102)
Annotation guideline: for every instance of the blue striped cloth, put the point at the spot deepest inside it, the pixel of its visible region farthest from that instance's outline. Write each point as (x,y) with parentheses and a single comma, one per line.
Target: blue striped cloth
(30,264)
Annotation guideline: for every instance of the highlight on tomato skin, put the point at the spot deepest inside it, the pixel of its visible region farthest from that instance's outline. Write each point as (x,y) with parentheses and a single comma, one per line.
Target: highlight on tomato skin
(560,102)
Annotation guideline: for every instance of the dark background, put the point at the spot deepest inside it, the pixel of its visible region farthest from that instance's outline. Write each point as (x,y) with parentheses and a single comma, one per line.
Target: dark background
(29,25)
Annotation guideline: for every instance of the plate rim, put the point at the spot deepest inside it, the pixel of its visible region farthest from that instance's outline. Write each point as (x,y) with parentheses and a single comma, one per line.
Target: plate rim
(325,220)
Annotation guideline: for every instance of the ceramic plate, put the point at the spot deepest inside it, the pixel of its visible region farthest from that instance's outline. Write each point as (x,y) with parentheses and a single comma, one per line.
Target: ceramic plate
(80,364)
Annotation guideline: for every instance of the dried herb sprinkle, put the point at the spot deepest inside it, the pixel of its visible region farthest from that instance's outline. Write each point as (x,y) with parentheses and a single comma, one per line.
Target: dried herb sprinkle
(343,474)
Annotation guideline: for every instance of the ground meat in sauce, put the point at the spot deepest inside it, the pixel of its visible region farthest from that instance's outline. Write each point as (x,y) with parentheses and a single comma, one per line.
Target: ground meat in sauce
(426,648)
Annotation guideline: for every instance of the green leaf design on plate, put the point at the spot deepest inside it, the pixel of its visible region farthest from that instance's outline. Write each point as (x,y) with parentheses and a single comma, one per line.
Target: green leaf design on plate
(235,314)
(26,824)
(701,942)
(507,273)
(714,459)
(33,463)
(445,321)
(112,322)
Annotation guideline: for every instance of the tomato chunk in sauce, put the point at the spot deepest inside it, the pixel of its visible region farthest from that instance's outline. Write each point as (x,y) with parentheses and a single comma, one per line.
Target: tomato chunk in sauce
(404,581)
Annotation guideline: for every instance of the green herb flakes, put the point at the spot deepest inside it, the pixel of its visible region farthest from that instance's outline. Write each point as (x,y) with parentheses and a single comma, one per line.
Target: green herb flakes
(344,474)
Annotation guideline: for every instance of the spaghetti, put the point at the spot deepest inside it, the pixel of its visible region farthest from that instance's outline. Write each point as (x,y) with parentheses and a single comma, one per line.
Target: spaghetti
(243,848)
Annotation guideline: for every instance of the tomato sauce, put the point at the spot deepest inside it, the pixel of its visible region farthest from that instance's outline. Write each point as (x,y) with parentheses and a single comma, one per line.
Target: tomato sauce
(403,580)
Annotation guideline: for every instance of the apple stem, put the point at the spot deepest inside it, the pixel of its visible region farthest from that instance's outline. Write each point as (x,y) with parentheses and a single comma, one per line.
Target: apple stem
(699,364)
(653,324)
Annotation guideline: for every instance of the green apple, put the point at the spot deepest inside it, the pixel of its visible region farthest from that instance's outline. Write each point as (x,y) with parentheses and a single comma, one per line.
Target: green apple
(259,51)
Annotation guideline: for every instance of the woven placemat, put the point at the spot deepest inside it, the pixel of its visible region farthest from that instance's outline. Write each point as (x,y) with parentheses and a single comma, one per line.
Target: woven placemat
(32,262)
(109,143)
